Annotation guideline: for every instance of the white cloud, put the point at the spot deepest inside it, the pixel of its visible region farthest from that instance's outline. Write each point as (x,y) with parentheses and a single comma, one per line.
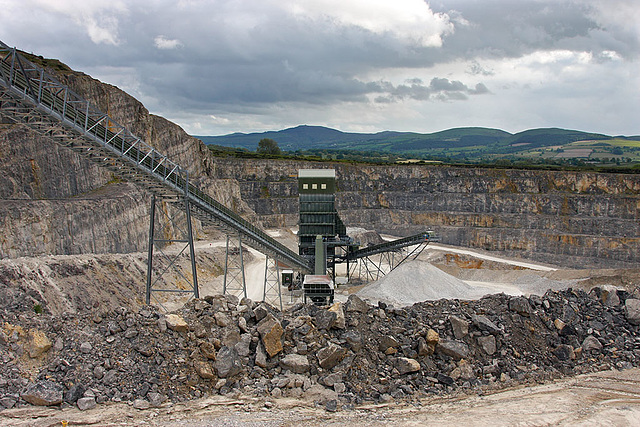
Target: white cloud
(617,16)
(99,18)
(161,42)
(408,20)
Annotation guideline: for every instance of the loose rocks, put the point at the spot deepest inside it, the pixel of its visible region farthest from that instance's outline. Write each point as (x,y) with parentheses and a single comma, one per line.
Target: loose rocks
(219,346)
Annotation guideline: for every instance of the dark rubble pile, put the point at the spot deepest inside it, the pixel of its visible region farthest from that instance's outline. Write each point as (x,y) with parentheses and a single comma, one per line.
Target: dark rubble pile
(335,356)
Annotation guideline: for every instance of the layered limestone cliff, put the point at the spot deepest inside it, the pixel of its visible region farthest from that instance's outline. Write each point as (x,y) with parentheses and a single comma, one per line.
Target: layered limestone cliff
(576,219)
(54,202)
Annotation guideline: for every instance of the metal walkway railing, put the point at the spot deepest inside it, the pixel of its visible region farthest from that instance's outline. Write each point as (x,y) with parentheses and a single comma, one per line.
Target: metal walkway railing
(29,95)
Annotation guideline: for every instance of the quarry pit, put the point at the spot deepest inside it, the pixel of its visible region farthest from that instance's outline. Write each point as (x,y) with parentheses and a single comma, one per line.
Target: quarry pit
(534,298)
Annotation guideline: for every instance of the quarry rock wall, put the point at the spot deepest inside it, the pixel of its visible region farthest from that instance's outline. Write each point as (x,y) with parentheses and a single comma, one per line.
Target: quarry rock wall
(54,202)
(571,218)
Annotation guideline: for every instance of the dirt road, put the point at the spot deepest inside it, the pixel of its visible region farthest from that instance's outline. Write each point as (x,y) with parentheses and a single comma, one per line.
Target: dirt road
(608,398)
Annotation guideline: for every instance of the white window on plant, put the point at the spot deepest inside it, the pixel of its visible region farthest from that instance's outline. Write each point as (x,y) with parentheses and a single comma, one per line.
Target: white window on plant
(314,186)
(324,186)
(305,186)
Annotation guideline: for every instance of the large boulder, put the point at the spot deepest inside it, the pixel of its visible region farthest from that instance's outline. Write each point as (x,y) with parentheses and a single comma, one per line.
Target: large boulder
(456,349)
(388,344)
(271,332)
(43,393)
(488,344)
(176,323)
(340,321)
(203,369)
(564,352)
(330,356)
(591,343)
(356,304)
(228,362)
(521,306)
(354,339)
(38,343)
(296,363)
(406,365)
(261,356)
(243,347)
(86,403)
(607,294)
(460,327)
(485,324)
(632,310)
(325,319)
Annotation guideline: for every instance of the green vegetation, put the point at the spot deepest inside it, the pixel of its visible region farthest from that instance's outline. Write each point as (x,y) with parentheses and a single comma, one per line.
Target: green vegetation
(549,148)
(268,146)
(50,64)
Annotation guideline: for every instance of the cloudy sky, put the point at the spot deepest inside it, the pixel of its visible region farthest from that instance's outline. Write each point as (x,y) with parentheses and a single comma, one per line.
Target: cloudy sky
(222,66)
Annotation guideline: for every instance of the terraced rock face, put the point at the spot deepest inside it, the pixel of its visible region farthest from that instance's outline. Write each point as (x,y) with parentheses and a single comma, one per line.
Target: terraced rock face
(575,219)
(54,202)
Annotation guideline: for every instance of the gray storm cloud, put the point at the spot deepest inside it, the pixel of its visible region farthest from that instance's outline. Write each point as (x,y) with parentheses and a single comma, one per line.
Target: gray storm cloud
(258,65)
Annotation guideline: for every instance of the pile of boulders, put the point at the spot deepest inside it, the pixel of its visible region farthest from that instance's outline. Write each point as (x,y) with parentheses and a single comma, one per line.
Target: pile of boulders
(336,356)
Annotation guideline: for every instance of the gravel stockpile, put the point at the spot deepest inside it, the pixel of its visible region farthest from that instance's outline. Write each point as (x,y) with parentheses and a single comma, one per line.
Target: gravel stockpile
(336,356)
(416,281)
(534,284)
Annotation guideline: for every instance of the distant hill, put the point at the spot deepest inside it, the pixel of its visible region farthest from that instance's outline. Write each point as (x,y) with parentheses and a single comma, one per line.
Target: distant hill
(458,143)
(306,137)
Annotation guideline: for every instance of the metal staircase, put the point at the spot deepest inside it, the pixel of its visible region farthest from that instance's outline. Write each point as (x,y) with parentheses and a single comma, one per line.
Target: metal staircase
(30,96)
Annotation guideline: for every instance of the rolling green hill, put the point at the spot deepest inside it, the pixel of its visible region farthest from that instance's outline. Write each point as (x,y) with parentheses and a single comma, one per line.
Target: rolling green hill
(469,144)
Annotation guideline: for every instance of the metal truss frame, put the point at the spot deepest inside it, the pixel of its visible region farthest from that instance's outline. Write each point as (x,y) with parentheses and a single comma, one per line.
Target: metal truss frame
(164,220)
(272,286)
(386,262)
(234,278)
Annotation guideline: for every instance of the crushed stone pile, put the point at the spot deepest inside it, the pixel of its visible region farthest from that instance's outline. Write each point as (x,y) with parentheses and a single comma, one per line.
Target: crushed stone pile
(337,356)
(534,284)
(364,237)
(417,281)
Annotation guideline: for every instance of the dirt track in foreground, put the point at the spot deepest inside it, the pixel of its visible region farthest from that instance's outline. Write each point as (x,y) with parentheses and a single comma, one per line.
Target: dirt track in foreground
(605,398)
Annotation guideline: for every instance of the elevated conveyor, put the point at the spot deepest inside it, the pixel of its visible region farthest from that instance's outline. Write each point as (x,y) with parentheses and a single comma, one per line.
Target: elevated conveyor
(30,96)
(390,255)
(416,239)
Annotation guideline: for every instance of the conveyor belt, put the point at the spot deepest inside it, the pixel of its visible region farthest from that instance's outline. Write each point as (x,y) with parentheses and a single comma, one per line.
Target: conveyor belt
(29,95)
(420,238)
